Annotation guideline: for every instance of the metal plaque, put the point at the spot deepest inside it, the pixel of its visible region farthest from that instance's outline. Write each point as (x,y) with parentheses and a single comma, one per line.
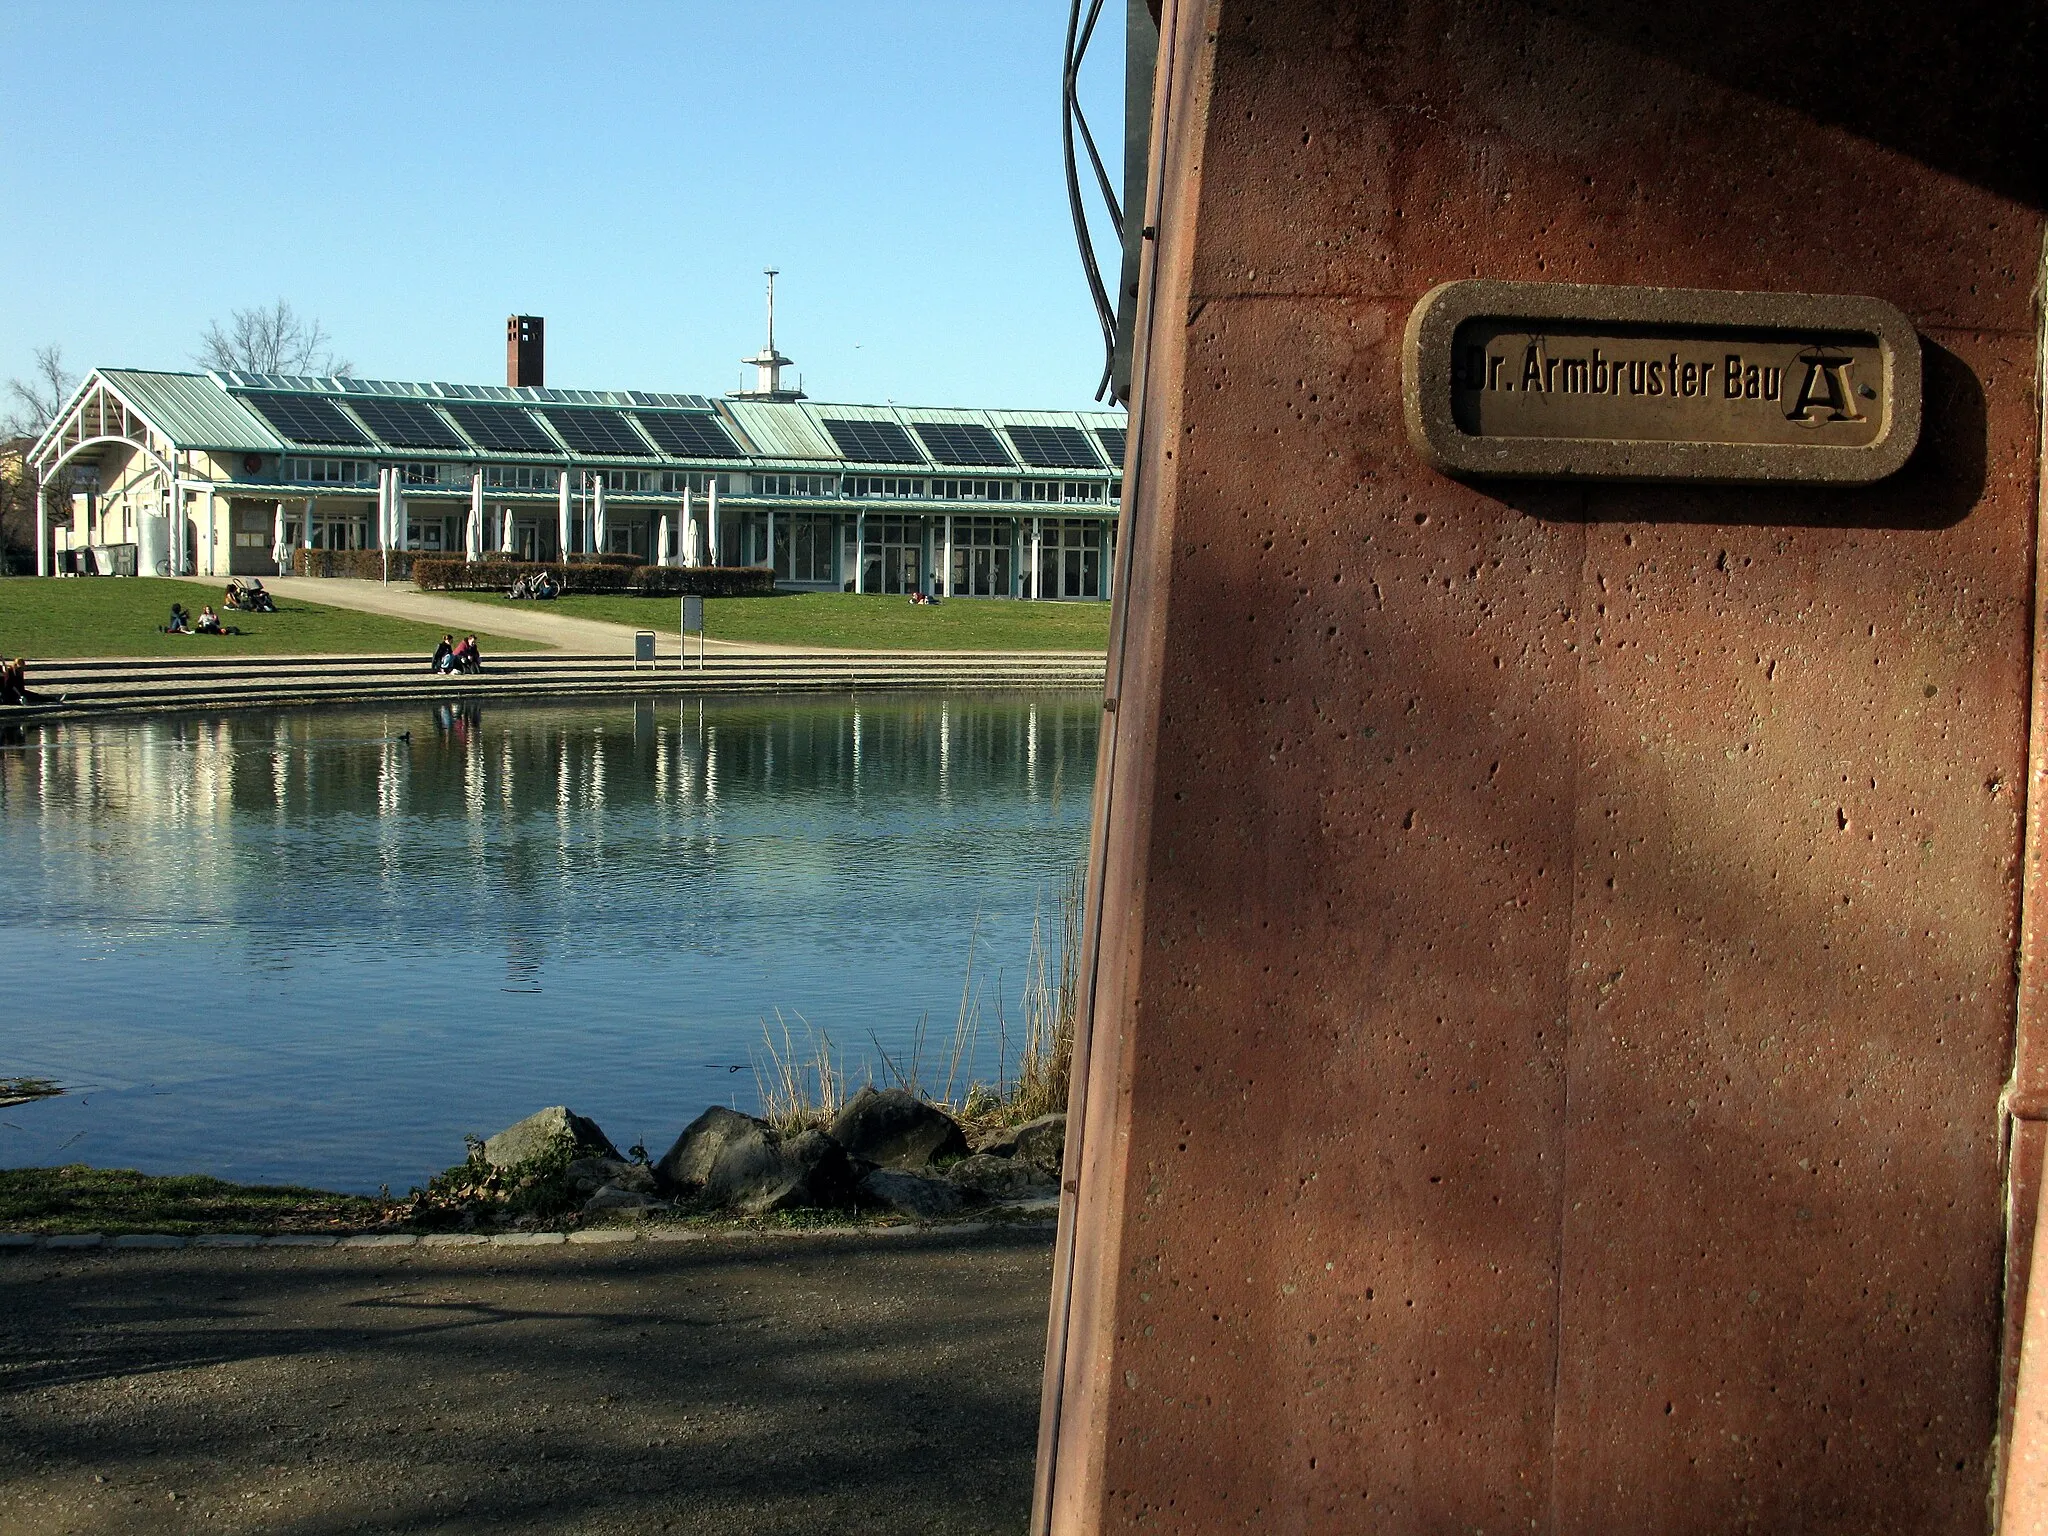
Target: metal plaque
(1563,381)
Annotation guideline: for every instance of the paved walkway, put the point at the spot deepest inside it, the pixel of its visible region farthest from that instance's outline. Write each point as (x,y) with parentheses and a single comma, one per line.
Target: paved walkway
(869,1384)
(402,600)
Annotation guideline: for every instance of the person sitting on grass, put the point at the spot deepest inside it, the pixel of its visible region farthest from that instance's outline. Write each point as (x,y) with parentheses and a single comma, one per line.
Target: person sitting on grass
(441,654)
(181,622)
(209,621)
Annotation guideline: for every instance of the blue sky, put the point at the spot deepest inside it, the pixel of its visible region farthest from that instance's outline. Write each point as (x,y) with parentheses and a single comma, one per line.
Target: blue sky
(412,173)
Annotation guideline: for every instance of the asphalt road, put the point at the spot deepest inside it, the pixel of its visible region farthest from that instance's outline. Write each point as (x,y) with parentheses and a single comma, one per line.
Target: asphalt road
(822,1385)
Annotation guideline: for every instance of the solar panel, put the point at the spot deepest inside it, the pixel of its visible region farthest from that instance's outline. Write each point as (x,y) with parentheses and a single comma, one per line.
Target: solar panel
(306,419)
(504,427)
(1054,447)
(873,442)
(599,432)
(689,437)
(1113,440)
(407,423)
(961,442)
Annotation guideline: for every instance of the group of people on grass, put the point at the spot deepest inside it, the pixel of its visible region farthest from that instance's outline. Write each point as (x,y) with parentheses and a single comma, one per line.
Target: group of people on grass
(539,585)
(453,655)
(208,622)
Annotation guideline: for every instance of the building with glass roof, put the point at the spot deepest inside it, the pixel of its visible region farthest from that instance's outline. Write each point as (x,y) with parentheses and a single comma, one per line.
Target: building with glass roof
(223,473)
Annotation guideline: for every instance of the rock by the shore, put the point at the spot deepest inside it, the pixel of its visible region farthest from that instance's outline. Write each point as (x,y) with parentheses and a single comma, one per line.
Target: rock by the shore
(996,1177)
(687,1164)
(893,1128)
(543,1132)
(911,1194)
(1041,1143)
(589,1173)
(614,1198)
(765,1171)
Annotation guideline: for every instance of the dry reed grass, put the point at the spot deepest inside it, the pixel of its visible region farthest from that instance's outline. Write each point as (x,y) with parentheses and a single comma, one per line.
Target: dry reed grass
(803,1083)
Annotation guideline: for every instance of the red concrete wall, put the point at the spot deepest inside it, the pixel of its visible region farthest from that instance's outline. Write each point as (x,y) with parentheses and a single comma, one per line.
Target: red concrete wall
(1555,948)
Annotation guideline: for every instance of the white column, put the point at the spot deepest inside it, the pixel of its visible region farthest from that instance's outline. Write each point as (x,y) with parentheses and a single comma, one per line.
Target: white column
(473,546)
(598,540)
(771,538)
(306,527)
(562,491)
(212,501)
(711,518)
(860,551)
(947,579)
(1037,553)
(42,524)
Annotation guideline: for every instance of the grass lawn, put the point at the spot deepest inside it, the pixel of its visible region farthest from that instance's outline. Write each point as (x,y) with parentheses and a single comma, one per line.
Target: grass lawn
(112,1200)
(120,616)
(844,621)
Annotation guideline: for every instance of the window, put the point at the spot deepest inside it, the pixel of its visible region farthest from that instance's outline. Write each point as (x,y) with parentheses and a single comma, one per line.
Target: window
(435,474)
(873,485)
(631,481)
(796,485)
(974,490)
(521,477)
(675,481)
(330,471)
(1081,490)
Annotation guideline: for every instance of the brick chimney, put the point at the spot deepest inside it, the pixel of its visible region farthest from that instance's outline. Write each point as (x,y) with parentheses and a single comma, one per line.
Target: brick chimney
(524,335)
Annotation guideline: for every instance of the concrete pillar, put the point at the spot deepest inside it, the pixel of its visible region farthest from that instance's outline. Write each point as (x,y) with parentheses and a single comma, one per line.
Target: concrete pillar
(771,538)
(711,519)
(860,551)
(1037,555)
(212,558)
(947,578)
(1563,1024)
(562,507)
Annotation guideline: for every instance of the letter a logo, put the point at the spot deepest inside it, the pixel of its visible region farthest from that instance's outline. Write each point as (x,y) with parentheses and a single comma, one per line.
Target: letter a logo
(1826,395)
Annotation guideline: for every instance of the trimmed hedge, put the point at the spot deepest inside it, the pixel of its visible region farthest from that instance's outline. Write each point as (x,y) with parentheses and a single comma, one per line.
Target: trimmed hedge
(365,563)
(606,575)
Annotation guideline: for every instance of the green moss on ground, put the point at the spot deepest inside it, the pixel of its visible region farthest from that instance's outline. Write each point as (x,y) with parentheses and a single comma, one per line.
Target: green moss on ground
(845,621)
(75,1198)
(122,616)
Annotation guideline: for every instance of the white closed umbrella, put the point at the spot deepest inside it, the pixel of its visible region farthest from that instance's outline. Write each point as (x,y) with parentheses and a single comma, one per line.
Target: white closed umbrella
(598,542)
(693,548)
(505,518)
(473,542)
(661,542)
(278,553)
(562,490)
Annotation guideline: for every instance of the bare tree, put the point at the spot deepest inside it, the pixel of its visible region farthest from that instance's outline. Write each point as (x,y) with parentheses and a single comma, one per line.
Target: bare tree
(33,403)
(273,339)
(36,400)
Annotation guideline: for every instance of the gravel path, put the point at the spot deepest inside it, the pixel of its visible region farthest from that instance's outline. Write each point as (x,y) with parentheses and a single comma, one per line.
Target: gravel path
(813,1384)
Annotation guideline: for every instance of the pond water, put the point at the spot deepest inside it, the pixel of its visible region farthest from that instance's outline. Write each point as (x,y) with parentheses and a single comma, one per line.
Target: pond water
(321,946)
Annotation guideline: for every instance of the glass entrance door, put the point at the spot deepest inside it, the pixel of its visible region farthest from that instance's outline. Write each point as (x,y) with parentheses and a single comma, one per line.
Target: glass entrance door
(894,547)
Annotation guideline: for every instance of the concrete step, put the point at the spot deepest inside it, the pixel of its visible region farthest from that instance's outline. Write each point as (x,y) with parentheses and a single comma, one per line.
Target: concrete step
(98,686)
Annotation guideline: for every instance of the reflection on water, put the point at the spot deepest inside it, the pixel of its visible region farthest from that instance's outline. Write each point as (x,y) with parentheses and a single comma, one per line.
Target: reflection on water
(324,945)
